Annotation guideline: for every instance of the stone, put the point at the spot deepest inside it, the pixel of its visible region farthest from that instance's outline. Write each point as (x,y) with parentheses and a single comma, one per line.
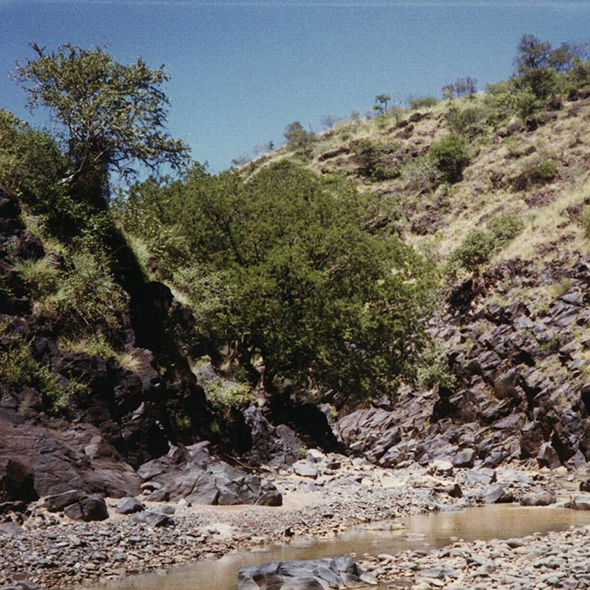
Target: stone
(464,458)
(548,457)
(541,498)
(58,502)
(581,502)
(305,468)
(497,495)
(153,518)
(316,574)
(130,506)
(90,508)
(17,481)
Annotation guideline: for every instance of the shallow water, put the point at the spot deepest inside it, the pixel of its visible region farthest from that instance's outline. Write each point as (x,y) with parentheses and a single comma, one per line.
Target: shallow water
(424,531)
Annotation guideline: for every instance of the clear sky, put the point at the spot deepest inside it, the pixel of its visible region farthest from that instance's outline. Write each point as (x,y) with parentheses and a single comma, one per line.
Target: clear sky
(242,69)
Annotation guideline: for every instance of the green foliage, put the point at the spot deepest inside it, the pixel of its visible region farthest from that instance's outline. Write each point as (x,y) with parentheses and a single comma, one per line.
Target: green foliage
(585,220)
(470,121)
(480,245)
(280,269)
(30,160)
(19,368)
(504,228)
(40,276)
(375,159)
(224,394)
(422,102)
(112,115)
(535,172)
(532,53)
(434,370)
(381,102)
(450,155)
(298,139)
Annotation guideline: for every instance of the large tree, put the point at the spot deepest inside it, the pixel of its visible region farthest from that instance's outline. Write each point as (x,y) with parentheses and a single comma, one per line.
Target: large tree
(112,116)
(280,268)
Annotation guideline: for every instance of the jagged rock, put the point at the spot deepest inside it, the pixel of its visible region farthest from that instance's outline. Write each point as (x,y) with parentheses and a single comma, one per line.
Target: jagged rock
(58,502)
(548,457)
(153,518)
(464,458)
(484,476)
(88,509)
(497,495)
(191,473)
(17,481)
(305,469)
(130,506)
(537,499)
(580,503)
(316,574)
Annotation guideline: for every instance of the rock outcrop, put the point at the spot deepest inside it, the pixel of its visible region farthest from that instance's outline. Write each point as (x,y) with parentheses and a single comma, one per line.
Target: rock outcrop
(521,389)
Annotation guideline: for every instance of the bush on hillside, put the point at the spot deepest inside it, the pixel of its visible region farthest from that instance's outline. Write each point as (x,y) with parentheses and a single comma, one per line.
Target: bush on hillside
(535,172)
(422,102)
(375,160)
(281,273)
(480,245)
(450,156)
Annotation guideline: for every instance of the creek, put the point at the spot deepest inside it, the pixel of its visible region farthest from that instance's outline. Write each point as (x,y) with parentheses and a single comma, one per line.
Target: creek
(423,531)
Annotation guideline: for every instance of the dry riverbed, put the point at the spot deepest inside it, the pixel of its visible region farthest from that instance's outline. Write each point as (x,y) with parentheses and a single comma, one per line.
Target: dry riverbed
(55,552)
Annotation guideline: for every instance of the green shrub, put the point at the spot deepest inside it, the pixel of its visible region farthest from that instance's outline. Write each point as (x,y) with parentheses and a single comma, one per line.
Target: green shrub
(505,228)
(40,276)
(470,121)
(376,160)
(224,394)
(422,102)
(450,155)
(585,220)
(434,370)
(282,273)
(535,172)
(480,245)
(19,368)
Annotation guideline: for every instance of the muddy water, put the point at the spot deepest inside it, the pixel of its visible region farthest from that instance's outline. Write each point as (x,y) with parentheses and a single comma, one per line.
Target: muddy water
(420,532)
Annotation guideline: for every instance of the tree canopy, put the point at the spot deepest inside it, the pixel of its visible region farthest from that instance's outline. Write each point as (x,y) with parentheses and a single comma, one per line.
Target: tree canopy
(112,116)
(281,269)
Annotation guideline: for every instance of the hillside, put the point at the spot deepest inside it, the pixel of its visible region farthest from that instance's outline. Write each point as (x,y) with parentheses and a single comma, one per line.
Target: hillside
(397,291)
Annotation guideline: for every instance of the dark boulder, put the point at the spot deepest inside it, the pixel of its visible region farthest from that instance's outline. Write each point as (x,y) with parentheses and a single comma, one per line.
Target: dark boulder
(130,506)
(17,481)
(58,502)
(90,508)
(340,572)
(153,518)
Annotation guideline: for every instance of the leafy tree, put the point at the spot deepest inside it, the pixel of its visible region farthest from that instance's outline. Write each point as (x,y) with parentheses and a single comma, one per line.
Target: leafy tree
(281,273)
(532,53)
(450,155)
(112,116)
(465,86)
(381,102)
(297,137)
(30,161)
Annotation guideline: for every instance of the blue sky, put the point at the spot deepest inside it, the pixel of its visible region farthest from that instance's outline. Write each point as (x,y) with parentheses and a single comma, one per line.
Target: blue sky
(242,70)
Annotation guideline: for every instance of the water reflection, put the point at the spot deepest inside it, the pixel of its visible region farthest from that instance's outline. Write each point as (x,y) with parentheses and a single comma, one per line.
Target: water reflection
(423,531)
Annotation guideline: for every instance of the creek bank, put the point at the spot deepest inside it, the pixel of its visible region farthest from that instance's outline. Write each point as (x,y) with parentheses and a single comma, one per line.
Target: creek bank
(52,550)
(553,560)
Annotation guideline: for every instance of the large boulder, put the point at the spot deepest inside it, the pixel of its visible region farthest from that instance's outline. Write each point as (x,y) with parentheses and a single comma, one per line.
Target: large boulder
(17,481)
(316,574)
(191,473)
(90,508)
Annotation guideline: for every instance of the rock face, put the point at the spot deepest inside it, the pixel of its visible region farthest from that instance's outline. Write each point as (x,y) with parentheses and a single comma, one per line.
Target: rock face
(520,389)
(122,417)
(316,574)
(190,473)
